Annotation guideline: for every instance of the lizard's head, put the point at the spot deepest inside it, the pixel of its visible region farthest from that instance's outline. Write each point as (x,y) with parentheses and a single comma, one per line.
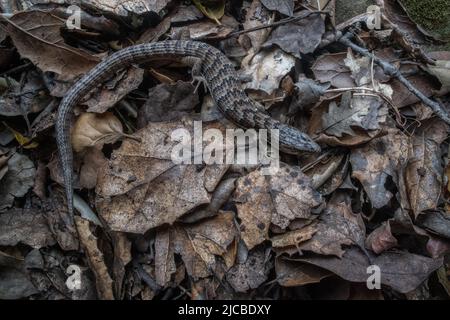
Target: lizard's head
(293,141)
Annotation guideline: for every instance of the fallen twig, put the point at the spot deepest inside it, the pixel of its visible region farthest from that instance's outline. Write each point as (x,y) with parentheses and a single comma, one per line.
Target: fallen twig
(274,24)
(392,71)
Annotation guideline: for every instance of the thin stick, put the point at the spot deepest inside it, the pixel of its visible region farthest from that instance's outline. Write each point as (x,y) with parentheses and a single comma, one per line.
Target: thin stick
(391,70)
(275,24)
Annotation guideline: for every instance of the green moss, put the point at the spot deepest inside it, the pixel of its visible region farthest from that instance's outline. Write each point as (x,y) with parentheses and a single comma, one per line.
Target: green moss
(431,15)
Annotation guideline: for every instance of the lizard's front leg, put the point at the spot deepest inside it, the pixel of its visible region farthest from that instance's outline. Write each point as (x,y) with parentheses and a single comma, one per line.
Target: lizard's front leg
(196,65)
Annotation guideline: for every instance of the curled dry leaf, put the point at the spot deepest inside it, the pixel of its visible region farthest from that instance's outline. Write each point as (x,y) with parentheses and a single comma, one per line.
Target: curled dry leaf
(381,239)
(208,29)
(278,199)
(93,129)
(293,274)
(294,238)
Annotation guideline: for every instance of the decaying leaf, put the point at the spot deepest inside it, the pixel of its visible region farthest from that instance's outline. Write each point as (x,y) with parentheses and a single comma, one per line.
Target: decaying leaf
(285,7)
(424,170)
(168,102)
(143,188)
(381,239)
(278,199)
(17,181)
(250,274)
(302,36)
(378,161)
(401,271)
(353,112)
(199,244)
(114,90)
(266,70)
(25,226)
(293,274)
(337,226)
(36,35)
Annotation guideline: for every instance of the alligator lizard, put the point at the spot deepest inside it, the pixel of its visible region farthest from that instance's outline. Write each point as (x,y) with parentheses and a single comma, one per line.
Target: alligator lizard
(214,68)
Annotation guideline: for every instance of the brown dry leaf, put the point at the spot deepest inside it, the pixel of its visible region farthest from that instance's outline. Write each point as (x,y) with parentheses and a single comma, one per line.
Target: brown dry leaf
(127,9)
(164,257)
(331,68)
(424,170)
(122,256)
(168,102)
(337,226)
(302,36)
(285,7)
(200,243)
(142,188)
(17,180)
(37,36)
(93,129)
(295,237)
(293,274)
(24,97)
(250,274)
(363,112)
(25,226)
(403,97)
(266,69)
(381,239)
(437,247)
(15,284)
(208,29)
(96,260)
(437,222)
(114,90)
(402,271)
(256,16)
(60,223)
(278,199)
(93,160)
(378,160)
